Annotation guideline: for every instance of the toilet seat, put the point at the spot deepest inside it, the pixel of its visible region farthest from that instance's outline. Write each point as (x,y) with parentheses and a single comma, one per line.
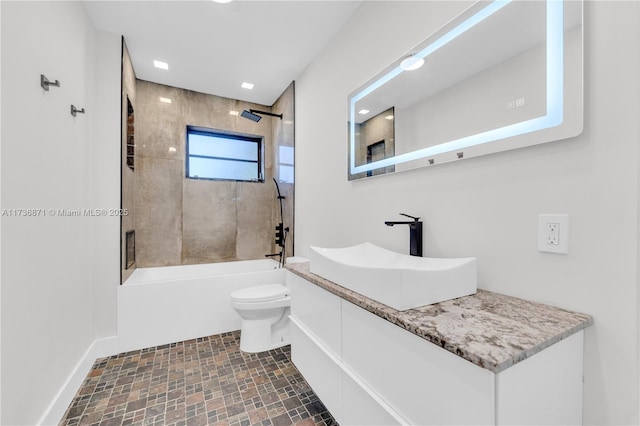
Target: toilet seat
(258,294)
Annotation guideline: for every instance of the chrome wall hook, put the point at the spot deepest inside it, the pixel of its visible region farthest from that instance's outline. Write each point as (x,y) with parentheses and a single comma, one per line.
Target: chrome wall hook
(75,110)
(45,83)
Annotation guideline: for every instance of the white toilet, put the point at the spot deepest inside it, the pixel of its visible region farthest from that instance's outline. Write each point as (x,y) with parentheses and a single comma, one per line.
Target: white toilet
(265,316)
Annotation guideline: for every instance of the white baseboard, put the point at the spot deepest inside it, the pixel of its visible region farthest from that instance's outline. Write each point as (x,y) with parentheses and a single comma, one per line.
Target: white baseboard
(107,346)
(99,348)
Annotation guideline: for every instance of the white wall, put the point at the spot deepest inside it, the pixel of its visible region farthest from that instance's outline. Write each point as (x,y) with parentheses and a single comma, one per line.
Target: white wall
(104,173)
(488,206)
(59,274)
(0,224)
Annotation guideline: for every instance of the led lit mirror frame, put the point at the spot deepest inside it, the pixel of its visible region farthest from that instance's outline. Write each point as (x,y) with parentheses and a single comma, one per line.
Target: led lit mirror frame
(564,92)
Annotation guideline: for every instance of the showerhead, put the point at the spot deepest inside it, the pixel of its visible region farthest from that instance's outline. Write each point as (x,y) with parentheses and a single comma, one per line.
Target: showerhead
(251,116)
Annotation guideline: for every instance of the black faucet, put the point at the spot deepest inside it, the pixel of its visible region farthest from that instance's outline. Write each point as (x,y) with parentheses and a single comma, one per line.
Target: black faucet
(415,234)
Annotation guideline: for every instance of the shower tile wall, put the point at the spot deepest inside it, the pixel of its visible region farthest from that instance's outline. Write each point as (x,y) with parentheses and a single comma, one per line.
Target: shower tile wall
(203,236)
(186,221)
(255,205)
(128,175)
(284,136)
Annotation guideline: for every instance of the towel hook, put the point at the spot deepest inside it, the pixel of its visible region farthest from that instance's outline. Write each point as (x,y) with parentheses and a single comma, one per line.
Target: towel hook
(45,83)
(75,110)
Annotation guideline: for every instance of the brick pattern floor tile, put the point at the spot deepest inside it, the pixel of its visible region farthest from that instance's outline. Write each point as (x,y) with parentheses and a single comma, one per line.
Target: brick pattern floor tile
(206,381)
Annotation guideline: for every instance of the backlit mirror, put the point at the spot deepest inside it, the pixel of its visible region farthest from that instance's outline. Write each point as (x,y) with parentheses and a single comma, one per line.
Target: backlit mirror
(502,75)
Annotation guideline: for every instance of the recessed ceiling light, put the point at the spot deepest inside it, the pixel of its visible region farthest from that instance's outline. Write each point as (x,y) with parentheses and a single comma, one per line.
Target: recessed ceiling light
(165,100)
(161,65)
(223,1)
(233,113)
(246,85)
(363,111)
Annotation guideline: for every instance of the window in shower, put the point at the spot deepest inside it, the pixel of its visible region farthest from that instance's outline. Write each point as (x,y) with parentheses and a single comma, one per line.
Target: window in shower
(285,164)
(218,155)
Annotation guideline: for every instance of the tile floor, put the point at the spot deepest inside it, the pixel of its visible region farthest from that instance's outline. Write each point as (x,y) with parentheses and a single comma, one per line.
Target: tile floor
(206,381)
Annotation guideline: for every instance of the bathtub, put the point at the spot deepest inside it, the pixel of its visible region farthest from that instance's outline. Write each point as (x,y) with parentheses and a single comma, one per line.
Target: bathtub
(162,305)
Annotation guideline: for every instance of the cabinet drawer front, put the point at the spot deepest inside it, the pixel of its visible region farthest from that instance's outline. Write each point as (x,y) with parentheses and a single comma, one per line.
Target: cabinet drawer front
(318,310)
(319,368)
(422,382)
(359,407)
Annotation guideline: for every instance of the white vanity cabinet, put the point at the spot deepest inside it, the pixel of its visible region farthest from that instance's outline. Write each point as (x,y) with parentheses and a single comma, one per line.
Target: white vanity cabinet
(424,383)
(369,371)
(316,331)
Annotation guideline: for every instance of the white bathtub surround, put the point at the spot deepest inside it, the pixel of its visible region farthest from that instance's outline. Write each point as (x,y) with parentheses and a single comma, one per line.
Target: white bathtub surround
(157,306)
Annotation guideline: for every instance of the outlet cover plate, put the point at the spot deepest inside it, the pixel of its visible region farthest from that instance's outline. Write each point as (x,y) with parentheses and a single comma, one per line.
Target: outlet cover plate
(553,233)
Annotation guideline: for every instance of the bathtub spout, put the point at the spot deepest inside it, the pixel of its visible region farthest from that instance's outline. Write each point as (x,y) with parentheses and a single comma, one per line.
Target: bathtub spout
(280,260)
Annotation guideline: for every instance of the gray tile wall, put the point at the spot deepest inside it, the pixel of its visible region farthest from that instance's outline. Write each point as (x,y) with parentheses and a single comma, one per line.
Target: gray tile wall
(186,221)
(284,133)
(128,178)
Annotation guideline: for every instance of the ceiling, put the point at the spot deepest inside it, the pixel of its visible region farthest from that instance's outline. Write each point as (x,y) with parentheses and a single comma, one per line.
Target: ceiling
(213,48)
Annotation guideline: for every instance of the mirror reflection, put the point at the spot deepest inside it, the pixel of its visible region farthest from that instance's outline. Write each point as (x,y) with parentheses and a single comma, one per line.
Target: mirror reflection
(374,139)
(502,75)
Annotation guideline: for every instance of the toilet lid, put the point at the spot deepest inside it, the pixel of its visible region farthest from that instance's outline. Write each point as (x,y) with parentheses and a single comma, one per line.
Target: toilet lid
(262,293)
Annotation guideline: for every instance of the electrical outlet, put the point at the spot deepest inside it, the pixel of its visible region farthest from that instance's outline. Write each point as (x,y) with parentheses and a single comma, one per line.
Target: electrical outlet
(553,233)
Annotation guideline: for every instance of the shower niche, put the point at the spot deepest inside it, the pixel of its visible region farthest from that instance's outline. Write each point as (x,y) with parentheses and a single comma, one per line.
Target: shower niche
(131,144)
(130,250)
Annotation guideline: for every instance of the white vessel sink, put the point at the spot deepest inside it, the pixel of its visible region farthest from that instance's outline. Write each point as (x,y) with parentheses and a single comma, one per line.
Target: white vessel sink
(397,280)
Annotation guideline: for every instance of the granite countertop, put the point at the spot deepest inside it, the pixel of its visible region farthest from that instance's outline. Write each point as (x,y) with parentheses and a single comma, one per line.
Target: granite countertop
(489,329)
